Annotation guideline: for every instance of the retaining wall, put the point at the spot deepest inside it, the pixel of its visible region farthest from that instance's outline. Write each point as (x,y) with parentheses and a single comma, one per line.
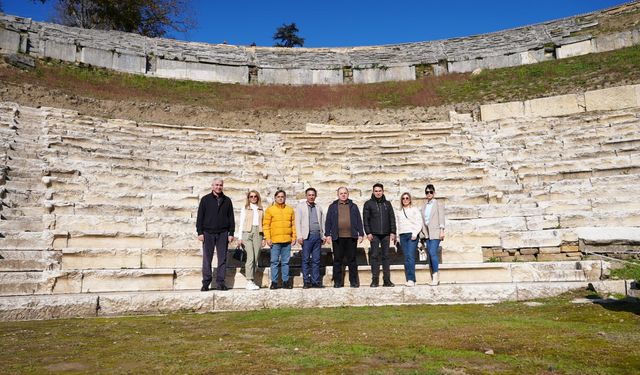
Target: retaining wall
(132,53)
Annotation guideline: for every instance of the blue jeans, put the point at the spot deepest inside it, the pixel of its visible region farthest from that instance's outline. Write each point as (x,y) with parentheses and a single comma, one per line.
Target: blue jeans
(280,253)
(432,249)
(409,250)
(311,259)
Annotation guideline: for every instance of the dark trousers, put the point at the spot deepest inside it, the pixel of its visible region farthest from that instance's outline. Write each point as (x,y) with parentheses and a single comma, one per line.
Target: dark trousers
(345,248)
(219,242)
(380,249)
(311,259)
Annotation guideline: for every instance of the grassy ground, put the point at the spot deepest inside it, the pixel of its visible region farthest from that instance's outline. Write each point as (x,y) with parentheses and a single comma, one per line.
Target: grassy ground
(524,82)
(555,336)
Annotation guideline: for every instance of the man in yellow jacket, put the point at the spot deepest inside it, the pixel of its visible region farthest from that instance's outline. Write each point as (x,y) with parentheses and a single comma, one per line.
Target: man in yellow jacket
(279,230)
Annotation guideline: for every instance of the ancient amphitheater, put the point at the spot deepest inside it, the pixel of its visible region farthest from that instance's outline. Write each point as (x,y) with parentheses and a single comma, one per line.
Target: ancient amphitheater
(98,214)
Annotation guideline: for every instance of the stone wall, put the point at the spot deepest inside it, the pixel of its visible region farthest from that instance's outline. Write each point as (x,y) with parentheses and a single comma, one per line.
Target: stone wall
(93,204)
(167,58)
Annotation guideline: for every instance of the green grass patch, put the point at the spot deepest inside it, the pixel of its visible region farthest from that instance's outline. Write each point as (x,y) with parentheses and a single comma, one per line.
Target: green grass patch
(553,77)
(555,337)
(629,271)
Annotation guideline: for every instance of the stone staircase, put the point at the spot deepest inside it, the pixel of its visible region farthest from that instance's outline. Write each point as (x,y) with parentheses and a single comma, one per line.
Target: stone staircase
(100,205)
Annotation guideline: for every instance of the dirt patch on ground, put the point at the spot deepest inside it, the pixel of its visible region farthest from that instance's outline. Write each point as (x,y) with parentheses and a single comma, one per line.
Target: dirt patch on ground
(179,114)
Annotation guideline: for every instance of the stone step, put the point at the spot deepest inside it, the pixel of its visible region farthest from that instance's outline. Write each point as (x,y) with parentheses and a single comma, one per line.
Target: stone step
(153,303)
(21,223)
(27,282)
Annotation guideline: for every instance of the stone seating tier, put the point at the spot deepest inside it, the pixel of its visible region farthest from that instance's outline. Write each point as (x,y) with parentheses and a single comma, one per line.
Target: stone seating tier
(515,189)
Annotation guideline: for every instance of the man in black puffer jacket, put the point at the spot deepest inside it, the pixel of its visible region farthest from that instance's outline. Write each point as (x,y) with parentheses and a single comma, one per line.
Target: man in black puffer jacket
(380,226)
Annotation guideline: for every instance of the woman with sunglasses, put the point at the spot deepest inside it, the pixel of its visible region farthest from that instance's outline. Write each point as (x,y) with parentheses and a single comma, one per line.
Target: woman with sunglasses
(250,223)
(433,229)
(409,222)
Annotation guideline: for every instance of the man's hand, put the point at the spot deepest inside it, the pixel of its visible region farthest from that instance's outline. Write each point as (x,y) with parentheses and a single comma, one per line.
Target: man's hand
(293,241)
(328,240)
(369,237)
(360,238)
(269,243)
(231,238)
(201,237)
(393,238)
(300,241)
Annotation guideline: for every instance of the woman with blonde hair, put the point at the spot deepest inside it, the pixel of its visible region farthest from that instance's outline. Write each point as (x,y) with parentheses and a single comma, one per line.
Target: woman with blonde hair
(409,222)
(252,238)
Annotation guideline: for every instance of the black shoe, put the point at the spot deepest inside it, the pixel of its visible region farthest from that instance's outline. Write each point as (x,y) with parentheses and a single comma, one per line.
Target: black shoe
(319,286)
(306,286)
(388,284)
(273,286)
(337,286)
(288,284)
(222,287)
(204,288)
(355,285)
(374,284)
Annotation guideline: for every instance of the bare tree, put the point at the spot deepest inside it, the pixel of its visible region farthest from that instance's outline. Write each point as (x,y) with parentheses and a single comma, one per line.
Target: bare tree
(152,18)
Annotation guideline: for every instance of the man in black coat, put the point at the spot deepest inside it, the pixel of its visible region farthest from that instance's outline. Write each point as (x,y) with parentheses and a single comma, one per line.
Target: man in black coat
(380,226)
(215,225)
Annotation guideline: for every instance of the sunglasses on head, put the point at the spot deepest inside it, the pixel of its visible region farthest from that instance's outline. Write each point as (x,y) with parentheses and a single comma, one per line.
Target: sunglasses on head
(429,192)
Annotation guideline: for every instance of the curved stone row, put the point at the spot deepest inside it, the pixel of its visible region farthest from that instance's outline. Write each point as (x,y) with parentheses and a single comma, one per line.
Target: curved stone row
(167,58)
(92,204)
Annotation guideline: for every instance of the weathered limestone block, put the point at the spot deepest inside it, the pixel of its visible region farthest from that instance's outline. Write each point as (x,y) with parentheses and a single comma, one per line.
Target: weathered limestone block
(474,273)
(80,259)
(126,280)
(575,49)
(539,238)
(20,283)
(114,240)
(550,250)
(240,300)
(552,257)
(548,271)
(609,235)
(59,50)
(68,282)
(154,303)
(171,258)
(129,63)
(9,41)
(498,111)
(613,98)
(100,223)
(489,293)
(543,222)
(395,73)
(300,76)
(559,105)
(452,253)
(47,307)
(96,57)
(526,291)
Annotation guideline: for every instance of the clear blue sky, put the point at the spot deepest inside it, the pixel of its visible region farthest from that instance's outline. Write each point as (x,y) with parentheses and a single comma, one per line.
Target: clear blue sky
(330,23)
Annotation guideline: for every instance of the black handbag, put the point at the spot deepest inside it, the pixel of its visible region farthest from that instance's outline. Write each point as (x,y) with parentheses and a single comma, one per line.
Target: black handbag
(240,254)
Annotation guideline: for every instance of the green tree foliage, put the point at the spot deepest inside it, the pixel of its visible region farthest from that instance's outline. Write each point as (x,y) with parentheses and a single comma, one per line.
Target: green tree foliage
(288,36)
(153,18)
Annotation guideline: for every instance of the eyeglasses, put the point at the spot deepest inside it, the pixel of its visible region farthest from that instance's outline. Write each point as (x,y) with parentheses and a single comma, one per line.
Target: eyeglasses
(406,198)
(429,192)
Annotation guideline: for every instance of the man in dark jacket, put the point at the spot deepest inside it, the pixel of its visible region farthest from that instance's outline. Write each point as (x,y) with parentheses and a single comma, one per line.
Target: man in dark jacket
(380,227)
(343,227)
(215,225)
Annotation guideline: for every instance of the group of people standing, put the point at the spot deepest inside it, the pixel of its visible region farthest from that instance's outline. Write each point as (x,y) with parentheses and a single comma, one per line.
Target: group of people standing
(280,226)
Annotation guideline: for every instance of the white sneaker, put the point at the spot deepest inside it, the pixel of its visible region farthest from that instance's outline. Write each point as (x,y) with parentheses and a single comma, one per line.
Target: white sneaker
(251,285)
(410,283)
(435,279)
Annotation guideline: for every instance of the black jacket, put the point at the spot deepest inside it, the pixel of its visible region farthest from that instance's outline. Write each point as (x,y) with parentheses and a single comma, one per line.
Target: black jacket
(331,223)
(215,215)
(378,216)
